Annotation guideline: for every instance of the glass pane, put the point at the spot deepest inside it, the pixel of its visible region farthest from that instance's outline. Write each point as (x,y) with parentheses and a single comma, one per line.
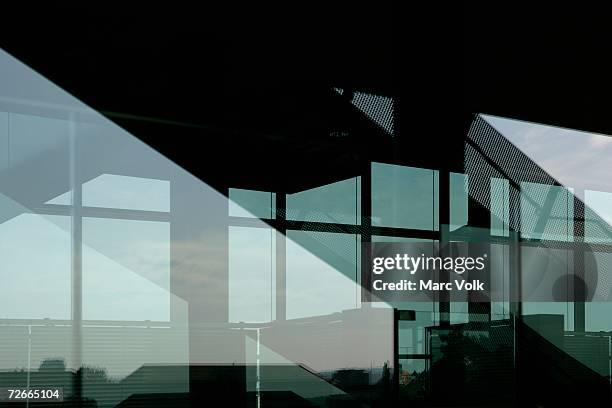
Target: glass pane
(413,378)
(459,312)
(458,200)
(404,197)
(125,192)
(597,315)
(499,262)
(33,137)
(321,273)
(252,204)
(126,270)
(14,355)
(35,158)
(35,271)
(134,193)
(125,263)
(500,207)
(251,277)
(546,212)
(598,216)
(336,203)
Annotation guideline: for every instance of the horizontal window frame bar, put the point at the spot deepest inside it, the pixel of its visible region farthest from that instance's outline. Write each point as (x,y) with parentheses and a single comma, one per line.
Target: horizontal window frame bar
(102,212)
(314,226)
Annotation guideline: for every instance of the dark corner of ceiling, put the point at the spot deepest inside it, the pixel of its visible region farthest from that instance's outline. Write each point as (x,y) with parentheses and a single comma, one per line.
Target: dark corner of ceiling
(219,90)
(537,62)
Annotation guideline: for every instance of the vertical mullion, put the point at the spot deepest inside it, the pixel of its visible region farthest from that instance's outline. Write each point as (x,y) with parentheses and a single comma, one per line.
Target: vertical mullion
(281,257)
(366,233)
(444,230)
(578,283)
(516,310)
(77,259)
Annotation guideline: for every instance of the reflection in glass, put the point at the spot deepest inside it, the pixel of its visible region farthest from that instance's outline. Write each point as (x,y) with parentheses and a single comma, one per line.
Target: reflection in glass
(185,301)
(36,138)
(126,270)
(251,203)
(458,200)
(499,261)
(546,212)
(251,274)
(598,216)
(321,273)
(500,207)
(598,316)
(336,203)
(404,197)
(125,192)
(35,271)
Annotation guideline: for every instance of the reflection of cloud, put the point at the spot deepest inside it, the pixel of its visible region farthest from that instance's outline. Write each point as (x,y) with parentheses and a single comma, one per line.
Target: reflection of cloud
(574,158)
(598,141)
(580,161)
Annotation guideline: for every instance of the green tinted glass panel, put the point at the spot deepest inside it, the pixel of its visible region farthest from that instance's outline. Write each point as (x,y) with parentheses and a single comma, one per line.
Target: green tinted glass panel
(546,212)
(598,217)
(251,278)
(404,197)
(500,210)
(335,203)
(126,270)
(251,203)
(458,200)
(35,274)
(321,273)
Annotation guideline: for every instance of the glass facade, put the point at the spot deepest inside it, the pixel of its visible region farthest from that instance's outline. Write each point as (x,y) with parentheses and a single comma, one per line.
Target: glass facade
(128,281)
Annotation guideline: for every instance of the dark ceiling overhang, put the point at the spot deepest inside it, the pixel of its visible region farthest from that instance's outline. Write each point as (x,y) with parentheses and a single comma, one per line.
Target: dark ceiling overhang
(251,90)
(202,64)
(539,62)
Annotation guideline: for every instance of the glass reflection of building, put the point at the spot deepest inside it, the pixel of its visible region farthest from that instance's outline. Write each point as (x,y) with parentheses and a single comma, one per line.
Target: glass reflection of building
(127,280)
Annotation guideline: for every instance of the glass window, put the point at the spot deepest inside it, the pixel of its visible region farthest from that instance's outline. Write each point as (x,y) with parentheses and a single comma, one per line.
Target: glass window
(500,209)
(321,273)
(413,376)
(597,314)
(458,200)
(251,278)
(404,197)
(35,271)
(125,192)
(598,216)
(38,154)
(546,212)
(412,336)
(251,203)
(34,137)
(14,352)
(126,270)
(336,203)
(499,261)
